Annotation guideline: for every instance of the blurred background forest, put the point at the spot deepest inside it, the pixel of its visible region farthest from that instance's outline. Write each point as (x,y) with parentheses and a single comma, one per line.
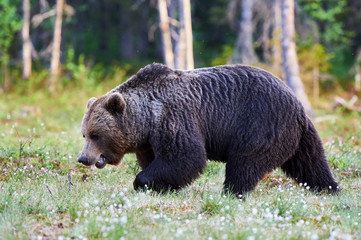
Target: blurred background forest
(58,45)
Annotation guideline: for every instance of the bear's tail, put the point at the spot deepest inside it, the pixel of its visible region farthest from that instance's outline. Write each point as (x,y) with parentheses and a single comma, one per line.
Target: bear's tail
(309,165)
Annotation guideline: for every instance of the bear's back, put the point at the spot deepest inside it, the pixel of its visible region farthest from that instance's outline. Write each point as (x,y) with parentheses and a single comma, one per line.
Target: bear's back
(246,106)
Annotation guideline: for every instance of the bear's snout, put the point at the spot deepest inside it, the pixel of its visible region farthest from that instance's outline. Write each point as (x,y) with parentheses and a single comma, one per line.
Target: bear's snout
(83,160)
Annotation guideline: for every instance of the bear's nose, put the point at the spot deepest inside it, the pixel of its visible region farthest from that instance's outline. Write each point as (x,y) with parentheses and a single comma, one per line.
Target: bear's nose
(83,160)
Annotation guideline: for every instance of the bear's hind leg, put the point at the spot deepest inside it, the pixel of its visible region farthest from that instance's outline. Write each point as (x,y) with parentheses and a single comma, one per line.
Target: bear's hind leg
(242,175)
(309,164)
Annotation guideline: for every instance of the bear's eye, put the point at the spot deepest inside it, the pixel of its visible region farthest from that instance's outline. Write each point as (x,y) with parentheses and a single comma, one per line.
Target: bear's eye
(94,137)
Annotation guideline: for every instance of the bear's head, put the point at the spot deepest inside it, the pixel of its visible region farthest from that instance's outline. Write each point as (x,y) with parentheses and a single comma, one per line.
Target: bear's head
(105,131)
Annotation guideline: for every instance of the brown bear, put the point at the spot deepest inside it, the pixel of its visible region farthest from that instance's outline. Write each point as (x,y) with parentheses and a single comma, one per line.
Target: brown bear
(175,120)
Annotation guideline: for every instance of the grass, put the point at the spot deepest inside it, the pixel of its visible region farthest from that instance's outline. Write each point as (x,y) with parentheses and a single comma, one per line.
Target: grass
(46,194)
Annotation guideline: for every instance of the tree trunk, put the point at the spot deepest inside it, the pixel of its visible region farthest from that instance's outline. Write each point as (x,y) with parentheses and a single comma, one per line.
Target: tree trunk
(25,32)
(290,63)
(266,42)
(181,48)
(357,78)
(181,44)
(357,71)
(276,36)
(164,26)
(126,44)
(316,82)
(244,52)
(55,58)
(188,32)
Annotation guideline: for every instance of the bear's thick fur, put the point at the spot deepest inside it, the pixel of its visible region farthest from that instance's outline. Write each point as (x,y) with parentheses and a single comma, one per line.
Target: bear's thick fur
(174,120)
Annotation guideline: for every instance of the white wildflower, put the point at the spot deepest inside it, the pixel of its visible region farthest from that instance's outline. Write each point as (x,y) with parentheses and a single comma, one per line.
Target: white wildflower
(123,219)
(254,211)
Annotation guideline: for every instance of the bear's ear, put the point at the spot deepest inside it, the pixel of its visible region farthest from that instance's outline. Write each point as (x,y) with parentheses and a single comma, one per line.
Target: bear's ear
(90,102)
(115,103)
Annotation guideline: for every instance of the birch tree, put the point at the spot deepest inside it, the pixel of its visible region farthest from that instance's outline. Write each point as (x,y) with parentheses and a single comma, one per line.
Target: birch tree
(357,71)
(180,31)
(276,36)
(244,52)
(55,56)
(188,33)
(181,44)
(290,62)
(164,26)
(25,33)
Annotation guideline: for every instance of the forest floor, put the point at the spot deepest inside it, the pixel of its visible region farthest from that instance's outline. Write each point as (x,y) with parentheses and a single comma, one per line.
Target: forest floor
(46,194)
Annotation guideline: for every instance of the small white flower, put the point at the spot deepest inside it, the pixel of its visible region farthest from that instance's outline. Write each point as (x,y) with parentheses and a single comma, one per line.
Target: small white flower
(254,211)
(123,219)
(179,231)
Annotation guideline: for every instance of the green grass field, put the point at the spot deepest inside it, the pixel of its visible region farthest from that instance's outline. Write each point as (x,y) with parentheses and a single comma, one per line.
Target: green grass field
(46,194)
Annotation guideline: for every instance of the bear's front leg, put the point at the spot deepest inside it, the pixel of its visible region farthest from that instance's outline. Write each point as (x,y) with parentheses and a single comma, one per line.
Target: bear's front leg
(175,165)
(145,157)
(145,181)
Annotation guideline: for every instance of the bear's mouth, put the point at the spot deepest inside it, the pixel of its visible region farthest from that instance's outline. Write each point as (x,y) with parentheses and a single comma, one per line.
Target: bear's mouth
(101,163)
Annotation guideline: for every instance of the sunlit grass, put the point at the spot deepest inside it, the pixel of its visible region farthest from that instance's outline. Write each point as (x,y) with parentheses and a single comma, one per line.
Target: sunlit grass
(45,194)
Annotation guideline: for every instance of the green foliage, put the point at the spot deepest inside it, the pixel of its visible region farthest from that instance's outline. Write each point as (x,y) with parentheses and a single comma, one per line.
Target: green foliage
(313,61)
(345,156)
(38,80)
(342,62)
(313,55)
(83,75)
(223,58)
(10,23)
(328,14)
(107,39)
(211,205)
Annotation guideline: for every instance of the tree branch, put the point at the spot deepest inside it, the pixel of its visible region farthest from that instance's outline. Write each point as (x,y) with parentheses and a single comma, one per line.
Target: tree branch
(39,18)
